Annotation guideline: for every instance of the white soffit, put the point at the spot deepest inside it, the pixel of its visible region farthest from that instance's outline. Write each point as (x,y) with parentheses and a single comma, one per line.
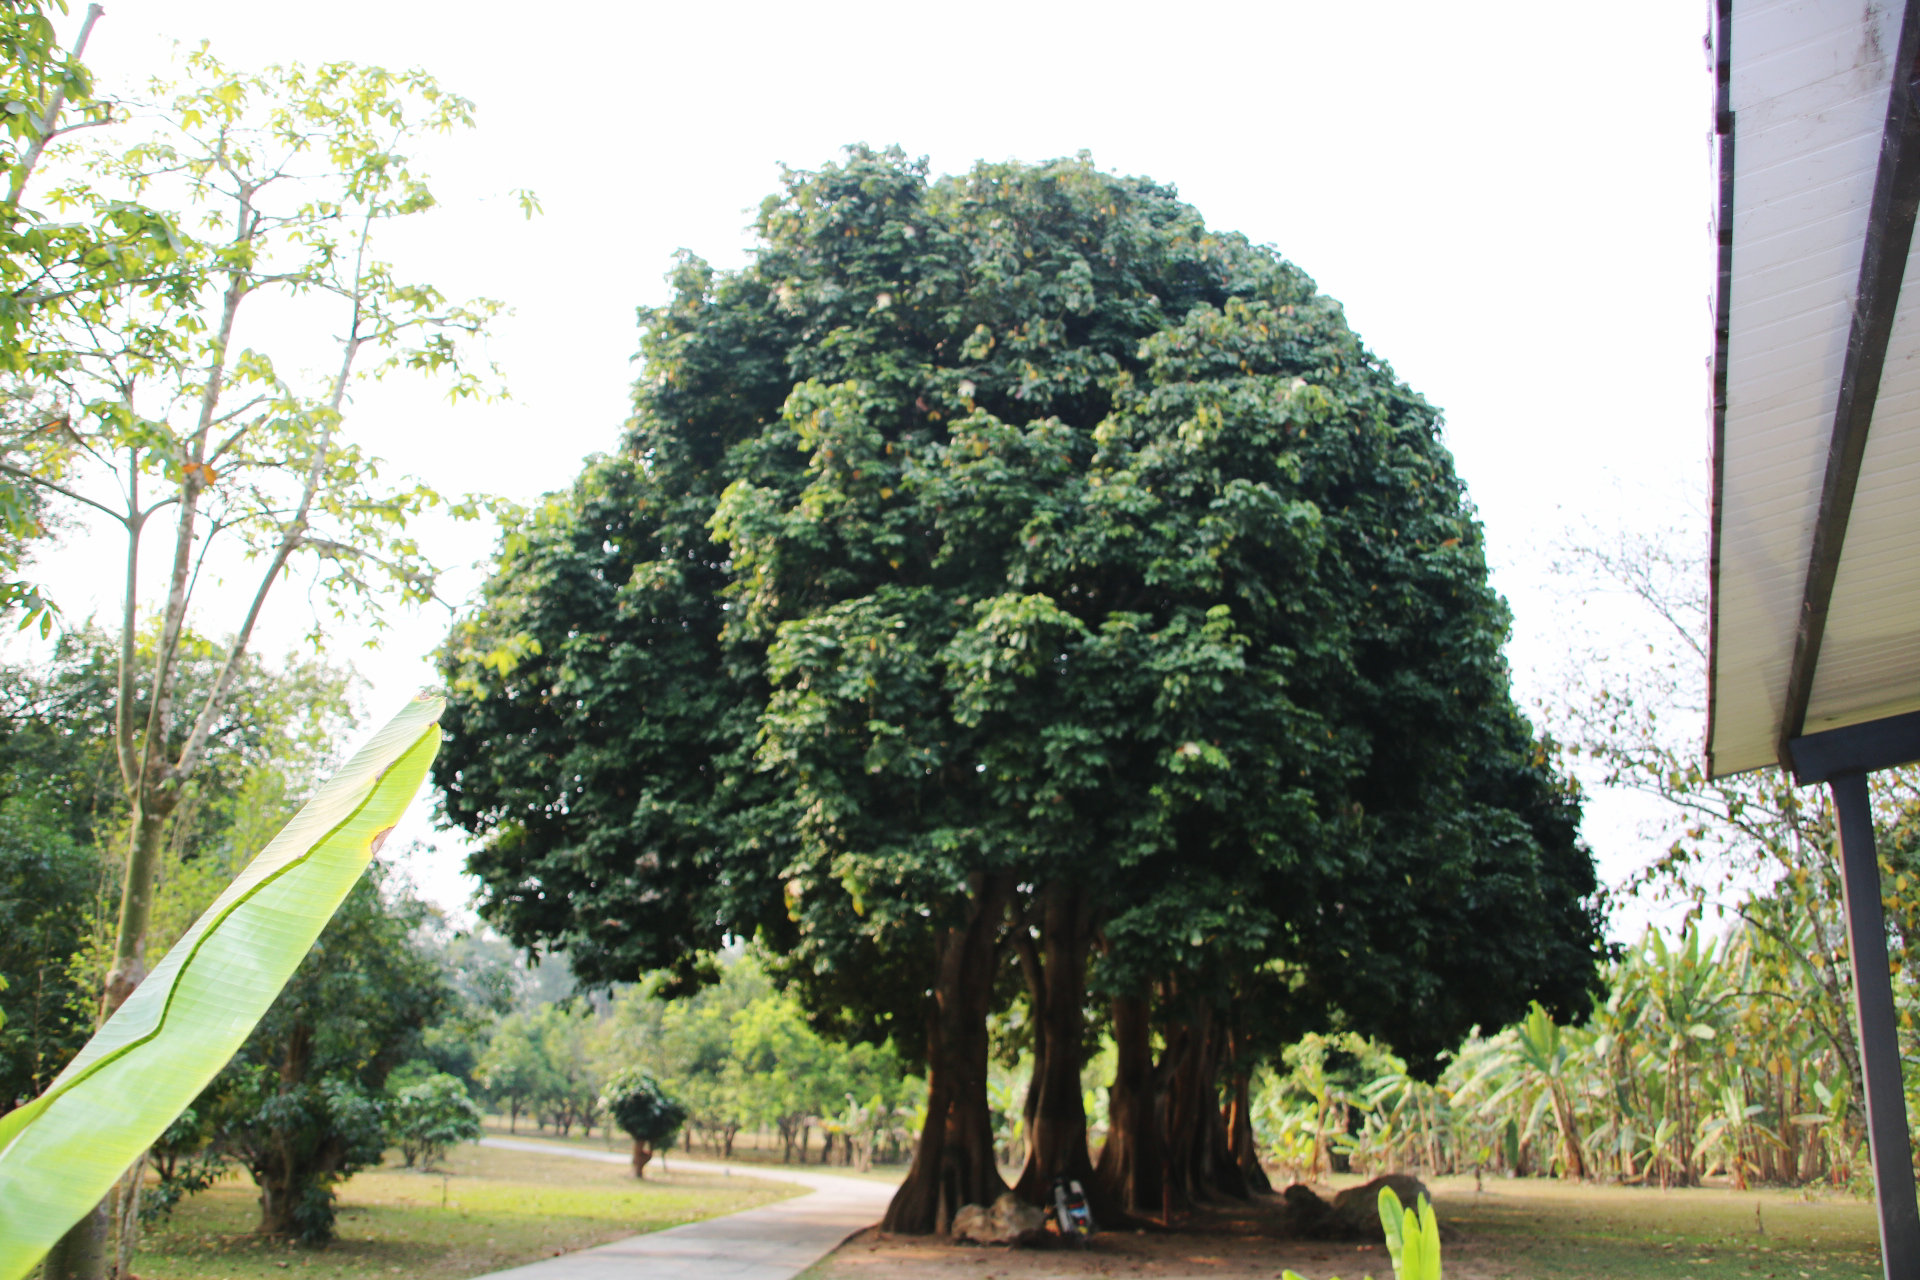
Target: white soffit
(1870,661)
(1808,89)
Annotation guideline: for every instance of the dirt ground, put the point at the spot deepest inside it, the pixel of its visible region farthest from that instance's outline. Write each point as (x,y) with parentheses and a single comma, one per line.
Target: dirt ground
(1506,1230)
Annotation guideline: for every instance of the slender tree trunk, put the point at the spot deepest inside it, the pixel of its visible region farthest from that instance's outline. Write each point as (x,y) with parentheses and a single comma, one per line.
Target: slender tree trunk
(1056,1113)
(136,899)
(954,1165)
(1576,1157)
(1132,1168)
(642,1153)
(1243,1149)
(125,1207)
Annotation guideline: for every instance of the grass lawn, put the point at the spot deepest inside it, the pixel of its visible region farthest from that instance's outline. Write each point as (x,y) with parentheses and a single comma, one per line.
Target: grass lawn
(1545,1228)
(501,1209)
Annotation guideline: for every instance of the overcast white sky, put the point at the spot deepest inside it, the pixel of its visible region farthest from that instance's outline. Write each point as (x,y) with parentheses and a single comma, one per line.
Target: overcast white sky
(1510,198)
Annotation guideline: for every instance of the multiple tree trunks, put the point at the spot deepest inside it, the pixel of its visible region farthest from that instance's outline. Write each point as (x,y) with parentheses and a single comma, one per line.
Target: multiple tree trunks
(953,1165)
(1170,1145)
(1197,1148)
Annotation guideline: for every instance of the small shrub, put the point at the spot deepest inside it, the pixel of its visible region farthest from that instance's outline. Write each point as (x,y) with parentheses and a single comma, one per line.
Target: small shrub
(640,1106)
(428,1117)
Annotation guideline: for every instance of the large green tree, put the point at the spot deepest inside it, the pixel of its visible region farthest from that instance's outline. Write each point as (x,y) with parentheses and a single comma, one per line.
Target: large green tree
(1008,565)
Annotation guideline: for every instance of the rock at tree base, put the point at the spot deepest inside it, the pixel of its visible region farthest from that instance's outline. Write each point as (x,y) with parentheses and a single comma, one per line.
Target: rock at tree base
(1011,1220)
(1354,1214)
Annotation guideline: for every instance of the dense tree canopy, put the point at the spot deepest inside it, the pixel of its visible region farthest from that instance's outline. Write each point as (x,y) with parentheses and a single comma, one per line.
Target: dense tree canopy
(1004,566)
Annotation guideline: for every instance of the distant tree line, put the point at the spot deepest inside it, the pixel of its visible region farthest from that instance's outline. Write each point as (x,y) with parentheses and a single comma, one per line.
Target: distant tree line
(737,1056)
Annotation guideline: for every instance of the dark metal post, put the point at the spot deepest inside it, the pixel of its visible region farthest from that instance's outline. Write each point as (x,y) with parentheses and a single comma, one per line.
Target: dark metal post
(1879,1047)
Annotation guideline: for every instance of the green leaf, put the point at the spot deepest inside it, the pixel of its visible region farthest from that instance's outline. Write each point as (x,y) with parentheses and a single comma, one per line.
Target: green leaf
(1413,1238)
(1392,1217)
(61,1152)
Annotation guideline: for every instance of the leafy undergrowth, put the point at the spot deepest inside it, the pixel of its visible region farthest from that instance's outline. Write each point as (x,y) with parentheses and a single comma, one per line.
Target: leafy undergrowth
(502,1209)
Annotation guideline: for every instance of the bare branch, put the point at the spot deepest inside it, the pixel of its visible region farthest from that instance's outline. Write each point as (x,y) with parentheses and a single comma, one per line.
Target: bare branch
(44,483)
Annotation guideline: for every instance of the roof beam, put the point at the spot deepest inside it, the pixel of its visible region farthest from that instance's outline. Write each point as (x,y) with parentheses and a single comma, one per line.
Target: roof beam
(1858,748)
(1883,264)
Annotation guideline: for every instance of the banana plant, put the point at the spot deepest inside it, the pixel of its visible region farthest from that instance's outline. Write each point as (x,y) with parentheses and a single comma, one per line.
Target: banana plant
(61,1152)
(1413,1239)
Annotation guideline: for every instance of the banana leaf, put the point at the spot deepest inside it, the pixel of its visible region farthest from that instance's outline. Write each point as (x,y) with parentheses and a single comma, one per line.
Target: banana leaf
(62,1152)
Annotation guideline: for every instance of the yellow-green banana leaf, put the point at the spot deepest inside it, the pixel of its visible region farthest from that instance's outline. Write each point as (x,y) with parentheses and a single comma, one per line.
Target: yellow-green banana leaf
(62,1152)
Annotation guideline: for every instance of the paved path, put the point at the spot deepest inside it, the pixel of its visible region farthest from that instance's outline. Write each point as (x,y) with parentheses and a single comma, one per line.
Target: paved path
(771,1243)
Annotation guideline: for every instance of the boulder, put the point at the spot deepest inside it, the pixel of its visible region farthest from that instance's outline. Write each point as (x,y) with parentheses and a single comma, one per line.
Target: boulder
(1354,1214)
(1306,1211)
(1011,1220)
(972,1224)
(1019,1221)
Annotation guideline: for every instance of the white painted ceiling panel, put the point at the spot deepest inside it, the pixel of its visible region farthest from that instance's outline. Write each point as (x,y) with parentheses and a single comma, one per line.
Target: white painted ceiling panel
(1808,91)
(1870,659)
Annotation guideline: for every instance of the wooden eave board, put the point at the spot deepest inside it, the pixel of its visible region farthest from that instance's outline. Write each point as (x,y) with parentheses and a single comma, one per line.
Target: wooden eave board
(1808,91)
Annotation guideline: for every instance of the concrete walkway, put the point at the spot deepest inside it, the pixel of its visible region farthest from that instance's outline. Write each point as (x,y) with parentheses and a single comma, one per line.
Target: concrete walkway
(776,1242)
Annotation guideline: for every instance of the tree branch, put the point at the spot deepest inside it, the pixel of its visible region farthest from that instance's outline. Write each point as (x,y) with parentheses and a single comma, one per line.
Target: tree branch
(28,476)
(50,118)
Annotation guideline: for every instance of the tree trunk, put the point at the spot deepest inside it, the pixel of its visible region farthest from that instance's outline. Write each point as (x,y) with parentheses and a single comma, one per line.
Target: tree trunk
(1056,1115)
(1132,1168)
(1573,1153)
(136,899)
(276,1205)
(1196,1131)
(81,1254)
(642,1152)
(953,1165)
(1243,1149)
(1241,1144)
